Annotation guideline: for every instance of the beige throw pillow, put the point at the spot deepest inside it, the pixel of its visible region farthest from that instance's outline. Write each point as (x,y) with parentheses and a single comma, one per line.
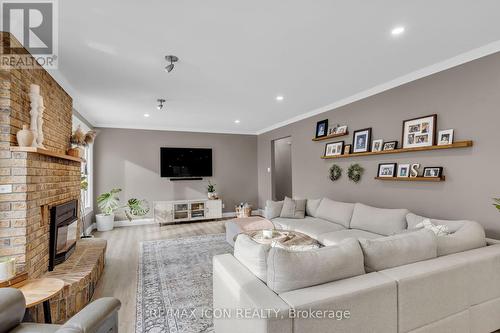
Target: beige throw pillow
(293,209)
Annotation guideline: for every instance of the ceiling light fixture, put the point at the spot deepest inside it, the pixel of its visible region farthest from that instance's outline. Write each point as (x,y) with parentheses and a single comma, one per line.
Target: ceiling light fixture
(160,103)
(171,59)
(398,30)
(236,121)
(146,115)
(279,98)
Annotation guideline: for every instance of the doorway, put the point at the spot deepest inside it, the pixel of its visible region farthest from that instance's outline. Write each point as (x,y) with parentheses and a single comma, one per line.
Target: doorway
(281,168)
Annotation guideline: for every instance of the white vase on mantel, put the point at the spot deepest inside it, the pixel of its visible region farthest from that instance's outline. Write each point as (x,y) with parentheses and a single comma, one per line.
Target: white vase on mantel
(25,137)
(34,99)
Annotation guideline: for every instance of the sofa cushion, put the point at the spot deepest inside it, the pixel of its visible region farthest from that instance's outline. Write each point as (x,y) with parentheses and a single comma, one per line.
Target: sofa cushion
(312,207)
(273,209)
(397,250)
(293,209)
(464,235)
(252,255)
(311,226)
(335,237)
(378,220)
(335,211)
(287,270)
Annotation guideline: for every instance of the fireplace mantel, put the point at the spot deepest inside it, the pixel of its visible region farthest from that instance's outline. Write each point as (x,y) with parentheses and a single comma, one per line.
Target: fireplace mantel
(45,152)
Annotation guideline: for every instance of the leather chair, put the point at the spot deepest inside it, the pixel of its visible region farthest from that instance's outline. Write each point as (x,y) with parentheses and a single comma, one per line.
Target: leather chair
(100,316)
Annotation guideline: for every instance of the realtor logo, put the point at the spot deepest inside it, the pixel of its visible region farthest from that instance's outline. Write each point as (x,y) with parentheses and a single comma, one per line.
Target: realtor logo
(34,24)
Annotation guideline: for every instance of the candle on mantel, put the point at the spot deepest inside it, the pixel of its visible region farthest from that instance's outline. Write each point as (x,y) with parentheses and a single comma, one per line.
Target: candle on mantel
(34,88)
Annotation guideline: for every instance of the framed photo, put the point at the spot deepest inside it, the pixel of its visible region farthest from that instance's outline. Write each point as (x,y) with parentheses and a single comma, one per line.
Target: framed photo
(347,149)
(322,128)
(387,170)
(403,170)
(390,145)
(341,130)
(445,137)
(377,145)
(331,130)
(419,132)
(361,140)
(433,172)
(334,148)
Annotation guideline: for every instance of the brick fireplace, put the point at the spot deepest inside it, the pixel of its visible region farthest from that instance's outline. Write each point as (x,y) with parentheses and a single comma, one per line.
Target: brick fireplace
(35,184)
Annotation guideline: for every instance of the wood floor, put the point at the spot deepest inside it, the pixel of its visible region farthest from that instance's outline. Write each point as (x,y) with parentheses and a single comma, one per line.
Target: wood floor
(120,274)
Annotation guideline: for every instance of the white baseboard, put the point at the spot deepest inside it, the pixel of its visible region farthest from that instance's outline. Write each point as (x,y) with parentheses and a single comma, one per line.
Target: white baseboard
(127,223)
(233,214)
(91,228)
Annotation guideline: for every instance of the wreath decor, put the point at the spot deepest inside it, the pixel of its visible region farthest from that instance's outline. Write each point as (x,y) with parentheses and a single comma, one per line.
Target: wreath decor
(335,172)
(354,172)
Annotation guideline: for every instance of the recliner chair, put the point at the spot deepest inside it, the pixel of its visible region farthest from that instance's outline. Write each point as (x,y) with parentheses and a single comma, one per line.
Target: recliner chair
(100,316)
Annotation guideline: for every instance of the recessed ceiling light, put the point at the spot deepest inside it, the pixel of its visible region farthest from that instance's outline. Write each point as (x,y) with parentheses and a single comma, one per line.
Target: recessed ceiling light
(236,121)
(146,115)
(280,98)
(398,30)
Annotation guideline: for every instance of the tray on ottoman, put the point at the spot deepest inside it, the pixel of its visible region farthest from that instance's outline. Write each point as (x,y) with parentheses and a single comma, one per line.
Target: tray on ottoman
(239,225)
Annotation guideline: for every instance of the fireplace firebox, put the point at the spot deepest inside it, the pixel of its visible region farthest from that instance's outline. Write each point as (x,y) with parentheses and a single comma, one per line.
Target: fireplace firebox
(63,232)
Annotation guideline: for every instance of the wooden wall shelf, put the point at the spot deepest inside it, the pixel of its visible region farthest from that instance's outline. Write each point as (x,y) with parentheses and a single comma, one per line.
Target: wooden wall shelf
(458,144)
(331,136)
(412,179)
(45,152)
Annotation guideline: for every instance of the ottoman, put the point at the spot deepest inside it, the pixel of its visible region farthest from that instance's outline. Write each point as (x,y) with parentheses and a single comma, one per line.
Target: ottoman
(236,226)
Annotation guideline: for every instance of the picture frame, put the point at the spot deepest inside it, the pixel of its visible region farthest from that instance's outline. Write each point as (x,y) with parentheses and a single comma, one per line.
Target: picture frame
(361,140)
(445,137)
(331,131)
(387,170)
(377,145)
(322,128)
(419,132)
(414,170)
(390,145)
(341,129)
(347,149)
(334,148)
(433,172)
(403,170)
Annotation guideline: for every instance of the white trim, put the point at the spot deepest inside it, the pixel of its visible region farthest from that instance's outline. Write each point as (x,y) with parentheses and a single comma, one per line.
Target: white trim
(91,228)
(173,129)
(421,73)
(127,223)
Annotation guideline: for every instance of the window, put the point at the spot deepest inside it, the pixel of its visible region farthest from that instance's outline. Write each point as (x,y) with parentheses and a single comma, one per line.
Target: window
(87,172)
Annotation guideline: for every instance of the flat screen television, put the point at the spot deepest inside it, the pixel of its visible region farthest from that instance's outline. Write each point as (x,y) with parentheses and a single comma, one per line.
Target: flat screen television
(185,162)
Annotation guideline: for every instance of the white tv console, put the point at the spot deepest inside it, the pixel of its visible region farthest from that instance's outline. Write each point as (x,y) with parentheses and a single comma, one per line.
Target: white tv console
(186,210)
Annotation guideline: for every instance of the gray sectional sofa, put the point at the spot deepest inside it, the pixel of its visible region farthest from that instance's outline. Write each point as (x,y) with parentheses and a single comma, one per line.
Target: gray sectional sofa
(379,271)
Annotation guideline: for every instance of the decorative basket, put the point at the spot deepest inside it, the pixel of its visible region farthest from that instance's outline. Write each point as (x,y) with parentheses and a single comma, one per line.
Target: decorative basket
(76,152)
(243,212)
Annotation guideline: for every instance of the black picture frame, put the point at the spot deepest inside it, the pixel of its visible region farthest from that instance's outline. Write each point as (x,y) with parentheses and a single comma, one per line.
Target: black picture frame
(405,144)
(347,149)
(323,124)
(390,142)
(341,143)
(368,141)
(439,175)
(395,170)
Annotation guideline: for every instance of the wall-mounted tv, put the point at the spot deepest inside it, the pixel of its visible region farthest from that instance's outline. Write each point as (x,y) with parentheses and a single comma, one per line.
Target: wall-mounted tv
(185,162)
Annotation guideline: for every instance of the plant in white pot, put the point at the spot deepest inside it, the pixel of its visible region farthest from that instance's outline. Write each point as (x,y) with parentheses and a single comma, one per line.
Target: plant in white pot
(212,193)
(109,203)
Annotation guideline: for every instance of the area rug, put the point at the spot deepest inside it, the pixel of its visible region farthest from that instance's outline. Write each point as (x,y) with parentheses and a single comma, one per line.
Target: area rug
(174,285)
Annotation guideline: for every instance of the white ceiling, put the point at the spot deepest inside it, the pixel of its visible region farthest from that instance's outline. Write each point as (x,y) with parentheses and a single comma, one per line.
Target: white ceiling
(237,56)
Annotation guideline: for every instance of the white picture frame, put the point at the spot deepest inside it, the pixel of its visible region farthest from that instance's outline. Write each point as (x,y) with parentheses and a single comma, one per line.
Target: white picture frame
(403,170)
(445,137)
(377,145)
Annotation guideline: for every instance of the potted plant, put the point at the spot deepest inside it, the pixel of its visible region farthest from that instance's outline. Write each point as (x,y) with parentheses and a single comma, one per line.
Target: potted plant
(109,203)
(79,140)
(212,194)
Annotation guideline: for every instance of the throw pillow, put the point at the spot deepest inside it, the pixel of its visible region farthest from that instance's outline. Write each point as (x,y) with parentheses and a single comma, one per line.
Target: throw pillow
(288,270)
(273,209)
(252,255)
(293,209)
(312,207)
(439,230)
(398,250)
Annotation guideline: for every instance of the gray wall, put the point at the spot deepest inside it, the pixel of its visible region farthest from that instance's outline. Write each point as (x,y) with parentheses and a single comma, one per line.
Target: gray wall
(466,98)
(282,176)
(130,159)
